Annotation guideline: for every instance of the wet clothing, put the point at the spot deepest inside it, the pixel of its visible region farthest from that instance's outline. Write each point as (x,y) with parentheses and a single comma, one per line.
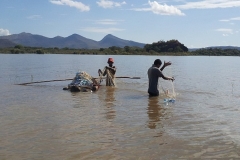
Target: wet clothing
(153,74)
(110,75)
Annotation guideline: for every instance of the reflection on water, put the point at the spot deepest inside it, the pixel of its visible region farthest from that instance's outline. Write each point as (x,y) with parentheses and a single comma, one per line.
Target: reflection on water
(110,102)
(106,95)
(154,111)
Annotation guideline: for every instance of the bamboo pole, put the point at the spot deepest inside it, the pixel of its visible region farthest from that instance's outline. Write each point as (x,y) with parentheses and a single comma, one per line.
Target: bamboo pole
(46,81)
(54,80)
(129,77)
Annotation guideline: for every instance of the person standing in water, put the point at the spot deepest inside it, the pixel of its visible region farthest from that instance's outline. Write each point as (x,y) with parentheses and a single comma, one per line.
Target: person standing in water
(109,71)
(153,74)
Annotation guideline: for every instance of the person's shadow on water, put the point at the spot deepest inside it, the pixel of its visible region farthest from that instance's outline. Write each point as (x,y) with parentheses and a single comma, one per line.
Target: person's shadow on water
(154,112)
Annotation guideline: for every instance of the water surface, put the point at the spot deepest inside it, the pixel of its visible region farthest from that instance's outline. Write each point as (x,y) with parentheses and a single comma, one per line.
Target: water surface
(42,121)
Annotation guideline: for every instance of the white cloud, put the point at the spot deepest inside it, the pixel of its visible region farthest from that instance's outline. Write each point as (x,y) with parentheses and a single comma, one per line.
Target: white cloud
(160,9)
(4,32)
(164,9)
(108,21)
(225,31)
(207,4)
(34,17)
(235,19)
(110,4)
(102,30)
(231,19)
(82,7)
(224,20)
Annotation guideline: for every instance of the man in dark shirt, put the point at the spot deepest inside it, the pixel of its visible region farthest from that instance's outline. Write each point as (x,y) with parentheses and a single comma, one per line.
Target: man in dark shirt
(153,74)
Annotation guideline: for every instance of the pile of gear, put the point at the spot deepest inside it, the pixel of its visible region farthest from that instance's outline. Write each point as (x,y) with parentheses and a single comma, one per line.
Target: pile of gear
(82,82)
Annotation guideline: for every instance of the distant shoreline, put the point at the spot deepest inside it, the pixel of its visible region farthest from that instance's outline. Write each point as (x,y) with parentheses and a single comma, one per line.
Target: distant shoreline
(119,51)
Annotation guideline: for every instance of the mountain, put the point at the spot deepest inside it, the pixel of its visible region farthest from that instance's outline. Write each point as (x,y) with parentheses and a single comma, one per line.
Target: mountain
(73,41)
(6,43)
(110,40)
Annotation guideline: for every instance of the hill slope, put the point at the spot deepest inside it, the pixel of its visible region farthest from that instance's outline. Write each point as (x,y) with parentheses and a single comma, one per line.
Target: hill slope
(73,41)
(110,40)
(6,43)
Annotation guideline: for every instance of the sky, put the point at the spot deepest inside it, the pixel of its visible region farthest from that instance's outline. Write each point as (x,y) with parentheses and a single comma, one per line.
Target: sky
(194,23)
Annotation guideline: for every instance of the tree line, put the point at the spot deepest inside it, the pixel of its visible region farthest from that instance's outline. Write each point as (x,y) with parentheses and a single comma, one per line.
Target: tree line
(216,52)
(172,47)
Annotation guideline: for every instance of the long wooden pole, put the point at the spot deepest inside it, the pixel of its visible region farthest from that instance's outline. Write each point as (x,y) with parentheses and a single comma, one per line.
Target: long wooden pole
(54,80)
(46,81)
(129,77)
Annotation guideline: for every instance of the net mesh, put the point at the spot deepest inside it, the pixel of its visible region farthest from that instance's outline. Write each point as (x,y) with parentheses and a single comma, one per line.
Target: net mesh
(82,79)
(168,90)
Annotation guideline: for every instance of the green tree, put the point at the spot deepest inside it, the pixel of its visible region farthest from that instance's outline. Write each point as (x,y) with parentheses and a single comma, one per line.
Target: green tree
(39,51)
(127,48)
(169,46)
(19,46)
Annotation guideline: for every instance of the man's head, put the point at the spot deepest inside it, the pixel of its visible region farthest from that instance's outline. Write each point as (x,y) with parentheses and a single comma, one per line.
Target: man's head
(157,63)
(110,61)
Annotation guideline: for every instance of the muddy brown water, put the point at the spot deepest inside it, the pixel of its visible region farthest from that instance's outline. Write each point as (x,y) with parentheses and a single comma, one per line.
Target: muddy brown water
(42,121)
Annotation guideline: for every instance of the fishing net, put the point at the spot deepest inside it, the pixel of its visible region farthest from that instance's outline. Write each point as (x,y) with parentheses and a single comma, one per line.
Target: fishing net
(82,82)
(110,76)
(83,79)
(168,89)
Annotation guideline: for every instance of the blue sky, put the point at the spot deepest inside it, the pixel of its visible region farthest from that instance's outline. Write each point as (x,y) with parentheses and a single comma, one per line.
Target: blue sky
(195,23)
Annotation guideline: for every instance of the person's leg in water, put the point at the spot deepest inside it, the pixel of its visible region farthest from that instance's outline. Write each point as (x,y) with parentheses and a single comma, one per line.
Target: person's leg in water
(153,94)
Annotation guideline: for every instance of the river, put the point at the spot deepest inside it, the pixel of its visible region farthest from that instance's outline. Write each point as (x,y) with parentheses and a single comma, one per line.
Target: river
(43,121)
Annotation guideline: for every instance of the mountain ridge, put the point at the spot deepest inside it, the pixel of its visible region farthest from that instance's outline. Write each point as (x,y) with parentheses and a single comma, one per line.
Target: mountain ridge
(74,41)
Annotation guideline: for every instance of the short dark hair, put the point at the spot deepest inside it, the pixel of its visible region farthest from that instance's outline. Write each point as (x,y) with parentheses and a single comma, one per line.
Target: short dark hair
(158,61)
